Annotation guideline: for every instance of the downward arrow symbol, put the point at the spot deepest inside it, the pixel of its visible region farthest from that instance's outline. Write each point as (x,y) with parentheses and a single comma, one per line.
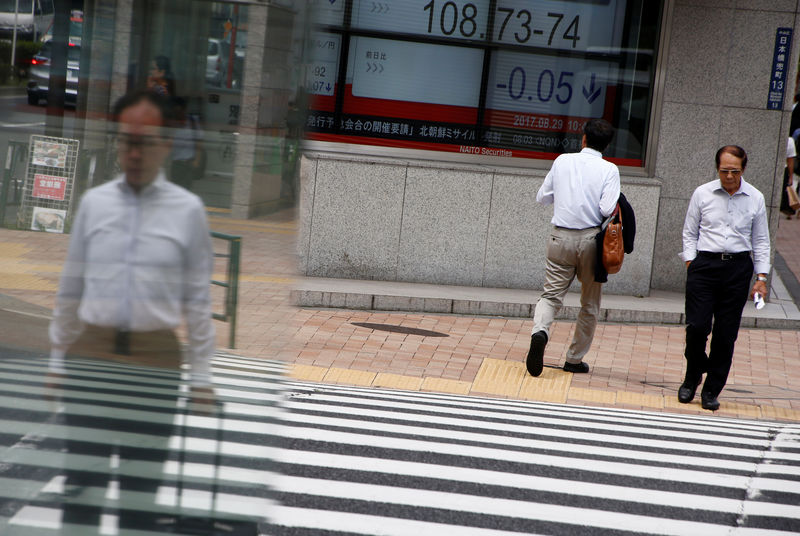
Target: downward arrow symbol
(592,92)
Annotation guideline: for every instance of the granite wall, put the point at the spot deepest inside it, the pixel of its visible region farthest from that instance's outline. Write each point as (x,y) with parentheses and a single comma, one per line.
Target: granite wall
(426,222)
(717,65)
(403,219)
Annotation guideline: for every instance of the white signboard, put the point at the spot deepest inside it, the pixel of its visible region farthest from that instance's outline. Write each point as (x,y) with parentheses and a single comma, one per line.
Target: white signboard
(321,71)
(454,19)
(551,85)
(416,72)
(563,25)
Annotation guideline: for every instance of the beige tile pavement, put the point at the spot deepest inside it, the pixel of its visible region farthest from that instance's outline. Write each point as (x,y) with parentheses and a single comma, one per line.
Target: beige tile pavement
(633,365)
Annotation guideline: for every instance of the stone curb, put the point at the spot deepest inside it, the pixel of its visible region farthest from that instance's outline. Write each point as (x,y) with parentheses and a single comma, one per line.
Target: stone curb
(669,311)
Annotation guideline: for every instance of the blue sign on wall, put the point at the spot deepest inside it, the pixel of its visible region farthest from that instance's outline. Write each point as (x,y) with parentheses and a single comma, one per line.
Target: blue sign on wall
(780,64)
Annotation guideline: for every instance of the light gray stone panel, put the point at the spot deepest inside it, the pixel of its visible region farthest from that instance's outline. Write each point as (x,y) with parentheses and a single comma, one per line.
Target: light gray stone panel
(764,139)
(358,301)
(642,317)
(307,178)
(306,298)
(518,229)
(445,219)
(687,143)
(356,220)
(398,303)
(669,271)
(704,3)
(634,277)
(488,308)
(699,37)
(280,24)
(789,6)
(749,67)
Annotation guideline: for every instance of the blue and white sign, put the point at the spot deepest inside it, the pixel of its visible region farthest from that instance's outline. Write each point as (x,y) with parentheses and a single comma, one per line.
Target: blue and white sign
(780,64)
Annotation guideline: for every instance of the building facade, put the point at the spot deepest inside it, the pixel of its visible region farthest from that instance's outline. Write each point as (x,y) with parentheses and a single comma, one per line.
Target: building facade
(235,65)
(431,126)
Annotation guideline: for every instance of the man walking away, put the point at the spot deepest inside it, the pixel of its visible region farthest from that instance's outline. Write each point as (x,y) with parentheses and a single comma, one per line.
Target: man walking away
(584,190)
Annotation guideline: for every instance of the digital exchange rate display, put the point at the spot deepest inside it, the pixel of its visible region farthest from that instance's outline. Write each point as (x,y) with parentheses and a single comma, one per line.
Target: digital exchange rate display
(452,76)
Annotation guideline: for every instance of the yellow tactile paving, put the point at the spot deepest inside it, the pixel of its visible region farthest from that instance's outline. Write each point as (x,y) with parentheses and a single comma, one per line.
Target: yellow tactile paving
(746,411)
(592,395)
(671,401)
(349,377)
(397,381)
(19,266)
(639,399)
(499,377)
(778,413)
(26,282)
(227,227)
(443,385)
(503,378)
(551,386)
(13,249)
(267,279)
(255,278)
(307,373)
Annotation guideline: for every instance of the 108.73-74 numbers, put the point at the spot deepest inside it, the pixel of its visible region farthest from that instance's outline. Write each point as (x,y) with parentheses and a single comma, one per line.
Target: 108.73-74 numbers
(518,21)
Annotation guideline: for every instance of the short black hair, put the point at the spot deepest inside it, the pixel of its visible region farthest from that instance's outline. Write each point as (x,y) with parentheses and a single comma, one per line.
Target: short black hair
(734,150)
(143,95)
(599,134)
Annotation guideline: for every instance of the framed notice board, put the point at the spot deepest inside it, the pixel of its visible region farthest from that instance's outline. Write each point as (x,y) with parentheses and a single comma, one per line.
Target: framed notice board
(49,183)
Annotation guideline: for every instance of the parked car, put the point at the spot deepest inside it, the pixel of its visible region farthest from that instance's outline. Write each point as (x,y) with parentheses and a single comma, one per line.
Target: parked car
(39,77)
(216,62)
(218,59)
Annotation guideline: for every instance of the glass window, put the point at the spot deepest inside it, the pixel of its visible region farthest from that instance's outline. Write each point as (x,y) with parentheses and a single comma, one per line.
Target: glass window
(507,78)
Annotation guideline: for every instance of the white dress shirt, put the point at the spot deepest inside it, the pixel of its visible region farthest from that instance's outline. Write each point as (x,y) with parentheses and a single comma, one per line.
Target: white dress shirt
(138,262)
(583,188)
(722,223)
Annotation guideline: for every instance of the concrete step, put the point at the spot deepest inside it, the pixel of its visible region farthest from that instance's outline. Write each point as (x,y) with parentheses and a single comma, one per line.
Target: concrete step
(658,308)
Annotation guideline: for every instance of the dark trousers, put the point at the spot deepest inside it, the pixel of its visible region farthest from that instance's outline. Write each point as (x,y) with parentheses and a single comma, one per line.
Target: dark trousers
(716,292)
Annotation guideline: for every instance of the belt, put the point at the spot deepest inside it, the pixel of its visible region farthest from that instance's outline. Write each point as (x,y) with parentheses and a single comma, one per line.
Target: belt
(573,229)
(122,337)
(723,256)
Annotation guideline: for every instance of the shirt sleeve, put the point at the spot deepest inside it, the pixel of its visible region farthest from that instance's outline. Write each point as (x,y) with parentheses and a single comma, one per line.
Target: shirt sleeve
(66,327)
(610,195)
(691,229)
(760,239)
(197,298)
(791,149)
(546,194)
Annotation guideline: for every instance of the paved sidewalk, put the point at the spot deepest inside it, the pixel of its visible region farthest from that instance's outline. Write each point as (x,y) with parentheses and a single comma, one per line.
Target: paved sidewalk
(636,359)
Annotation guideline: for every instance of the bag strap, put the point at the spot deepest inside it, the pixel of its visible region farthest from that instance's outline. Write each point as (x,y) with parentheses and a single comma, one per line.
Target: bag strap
(610,218)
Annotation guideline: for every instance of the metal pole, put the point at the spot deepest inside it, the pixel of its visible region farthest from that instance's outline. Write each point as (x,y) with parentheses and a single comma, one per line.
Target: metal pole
(14,38)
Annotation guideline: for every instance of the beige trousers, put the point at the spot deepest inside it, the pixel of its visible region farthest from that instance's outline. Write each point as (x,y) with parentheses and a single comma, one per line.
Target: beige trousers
(570,253)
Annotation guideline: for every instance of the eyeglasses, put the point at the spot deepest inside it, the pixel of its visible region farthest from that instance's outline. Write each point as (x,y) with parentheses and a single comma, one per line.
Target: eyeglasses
(734,172)
(141,143)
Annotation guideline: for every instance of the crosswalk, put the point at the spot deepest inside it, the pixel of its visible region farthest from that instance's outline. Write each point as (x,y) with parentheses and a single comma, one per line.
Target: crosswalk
(114,449)
(367,461)
(294,458)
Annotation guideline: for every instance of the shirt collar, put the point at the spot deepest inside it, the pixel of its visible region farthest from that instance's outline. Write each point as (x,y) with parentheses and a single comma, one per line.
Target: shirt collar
(593,152)
(156,185)
(744,188)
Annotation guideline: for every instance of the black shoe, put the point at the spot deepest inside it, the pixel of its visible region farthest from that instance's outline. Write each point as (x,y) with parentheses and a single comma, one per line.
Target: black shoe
(709,401)
(535,359)
(576,368)
(687,391)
